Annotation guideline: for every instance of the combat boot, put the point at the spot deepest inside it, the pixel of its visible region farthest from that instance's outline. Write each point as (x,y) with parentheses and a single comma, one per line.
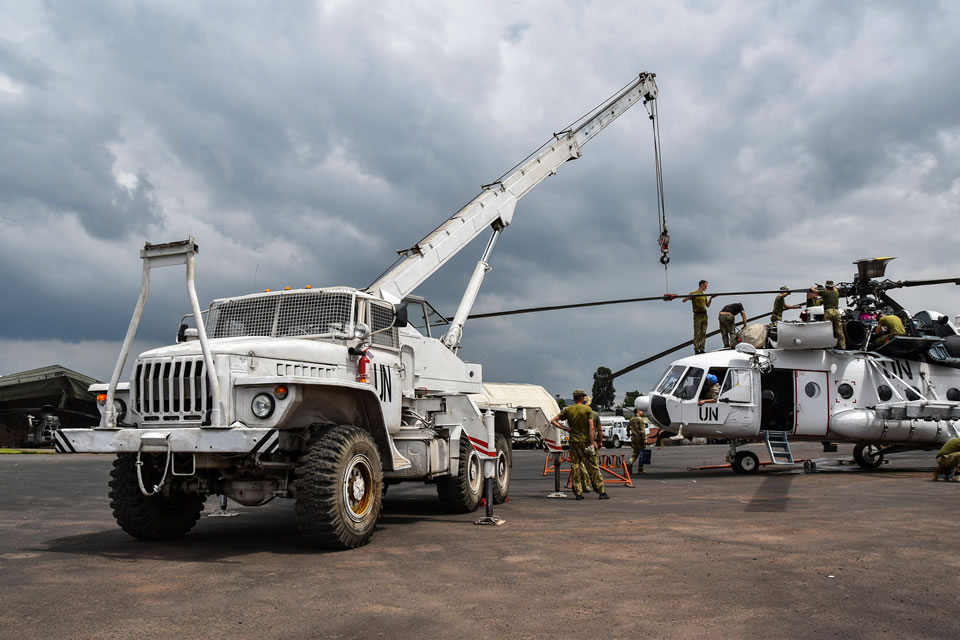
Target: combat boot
(939,475)
(952,476)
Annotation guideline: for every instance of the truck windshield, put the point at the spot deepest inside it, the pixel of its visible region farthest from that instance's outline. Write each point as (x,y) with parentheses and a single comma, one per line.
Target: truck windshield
(281,314)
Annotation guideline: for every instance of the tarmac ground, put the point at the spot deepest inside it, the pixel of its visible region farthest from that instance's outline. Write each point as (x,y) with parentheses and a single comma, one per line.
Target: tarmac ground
(683,554)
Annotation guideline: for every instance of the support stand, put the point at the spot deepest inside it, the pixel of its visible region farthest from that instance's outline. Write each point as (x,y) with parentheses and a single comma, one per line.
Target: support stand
(557,493)
(489,471)
(223,512)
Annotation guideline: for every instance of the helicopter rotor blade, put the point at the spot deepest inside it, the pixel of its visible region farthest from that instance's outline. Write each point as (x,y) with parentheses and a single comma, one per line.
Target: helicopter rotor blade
(665,297)
(923,283)
(657,356)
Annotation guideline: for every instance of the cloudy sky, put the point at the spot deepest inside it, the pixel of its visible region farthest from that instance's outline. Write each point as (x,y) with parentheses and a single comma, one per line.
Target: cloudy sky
(304,142)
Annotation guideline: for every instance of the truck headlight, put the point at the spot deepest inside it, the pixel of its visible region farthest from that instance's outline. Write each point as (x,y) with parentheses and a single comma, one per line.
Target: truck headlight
(262,405)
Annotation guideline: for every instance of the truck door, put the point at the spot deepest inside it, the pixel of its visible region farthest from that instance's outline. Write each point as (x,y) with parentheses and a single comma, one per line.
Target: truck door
(813,408)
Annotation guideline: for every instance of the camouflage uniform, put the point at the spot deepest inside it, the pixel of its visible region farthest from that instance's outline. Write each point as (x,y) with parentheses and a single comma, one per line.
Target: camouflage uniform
(699,320)
(893,327)
(779,304)
(948,459)
(582,464)
(831,312)
(637,430)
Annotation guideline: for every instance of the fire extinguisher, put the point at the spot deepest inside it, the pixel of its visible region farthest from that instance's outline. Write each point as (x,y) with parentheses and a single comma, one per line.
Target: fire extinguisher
(362,362)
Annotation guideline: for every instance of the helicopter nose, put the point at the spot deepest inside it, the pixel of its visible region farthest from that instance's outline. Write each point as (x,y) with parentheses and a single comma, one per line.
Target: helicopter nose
(658,410)
(642,403)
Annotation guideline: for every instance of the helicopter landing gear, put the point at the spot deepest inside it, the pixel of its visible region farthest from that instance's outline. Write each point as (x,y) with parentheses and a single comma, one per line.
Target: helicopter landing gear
(742,461)
(868,456)
(745,462)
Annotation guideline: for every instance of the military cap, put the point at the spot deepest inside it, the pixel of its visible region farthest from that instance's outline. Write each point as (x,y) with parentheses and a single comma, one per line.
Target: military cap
(579,392)
(829,283)
(784,288)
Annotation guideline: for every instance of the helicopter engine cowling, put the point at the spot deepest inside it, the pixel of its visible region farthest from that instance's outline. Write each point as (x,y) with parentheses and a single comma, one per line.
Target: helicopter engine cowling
(863,425)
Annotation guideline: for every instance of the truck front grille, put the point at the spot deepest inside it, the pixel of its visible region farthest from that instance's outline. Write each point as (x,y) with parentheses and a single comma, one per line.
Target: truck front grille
(171,390)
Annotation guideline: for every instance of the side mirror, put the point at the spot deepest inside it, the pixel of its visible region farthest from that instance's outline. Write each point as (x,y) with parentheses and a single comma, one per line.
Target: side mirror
(400,315)
(181,333)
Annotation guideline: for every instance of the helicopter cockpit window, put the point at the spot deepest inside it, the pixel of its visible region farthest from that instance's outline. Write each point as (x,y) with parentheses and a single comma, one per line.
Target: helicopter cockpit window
(845,391)
(690,384)
(812,389)
(669,380)
(885,393)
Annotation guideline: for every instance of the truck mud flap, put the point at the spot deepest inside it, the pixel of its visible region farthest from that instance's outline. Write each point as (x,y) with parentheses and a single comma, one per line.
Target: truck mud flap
(192,440)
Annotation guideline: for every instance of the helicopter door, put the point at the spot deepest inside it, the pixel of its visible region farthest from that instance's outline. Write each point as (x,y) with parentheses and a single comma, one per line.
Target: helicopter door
(813,409)
(737,393)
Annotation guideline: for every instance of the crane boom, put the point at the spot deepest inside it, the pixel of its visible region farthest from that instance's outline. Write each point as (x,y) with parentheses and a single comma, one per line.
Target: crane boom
(494,206)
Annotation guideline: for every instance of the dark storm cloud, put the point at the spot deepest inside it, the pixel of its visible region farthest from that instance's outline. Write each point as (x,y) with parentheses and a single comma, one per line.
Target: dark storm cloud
(306,142)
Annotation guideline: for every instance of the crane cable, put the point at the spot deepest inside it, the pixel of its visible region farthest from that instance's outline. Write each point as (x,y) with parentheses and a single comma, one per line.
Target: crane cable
(664,238)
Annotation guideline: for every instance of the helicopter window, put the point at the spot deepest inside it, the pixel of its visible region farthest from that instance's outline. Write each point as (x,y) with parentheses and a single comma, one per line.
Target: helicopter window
(953,394)
(845,390)
(885,393)
(669,380)
(812,389)
(912,393)
(736,386)
(690,384)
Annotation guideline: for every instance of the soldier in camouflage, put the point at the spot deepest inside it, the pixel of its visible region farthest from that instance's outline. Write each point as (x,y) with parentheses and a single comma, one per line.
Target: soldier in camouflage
(699,301)
(831,312)
(948,459)
(584,461)
(780,304)
(637,430)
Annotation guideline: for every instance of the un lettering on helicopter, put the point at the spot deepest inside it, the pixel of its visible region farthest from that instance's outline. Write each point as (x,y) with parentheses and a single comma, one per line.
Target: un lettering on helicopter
(898,394)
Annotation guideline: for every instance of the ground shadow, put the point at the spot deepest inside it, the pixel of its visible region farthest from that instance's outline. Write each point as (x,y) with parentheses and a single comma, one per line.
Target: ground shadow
(271,529)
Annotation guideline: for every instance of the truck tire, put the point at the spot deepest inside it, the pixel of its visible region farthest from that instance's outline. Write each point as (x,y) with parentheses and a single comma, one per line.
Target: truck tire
(339,489)
(501,484)
(156,517)
(461,493)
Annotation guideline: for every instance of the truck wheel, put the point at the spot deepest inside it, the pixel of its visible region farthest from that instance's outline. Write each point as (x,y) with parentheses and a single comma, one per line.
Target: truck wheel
(156,517)
(616,442)
(339,490)
(501,483)
(461,493)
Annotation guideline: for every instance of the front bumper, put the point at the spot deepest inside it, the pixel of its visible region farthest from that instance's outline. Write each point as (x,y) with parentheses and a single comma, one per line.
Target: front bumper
(240,440)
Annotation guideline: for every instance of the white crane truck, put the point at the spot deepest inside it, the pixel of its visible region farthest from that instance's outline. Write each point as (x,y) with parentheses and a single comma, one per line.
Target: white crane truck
(322,395)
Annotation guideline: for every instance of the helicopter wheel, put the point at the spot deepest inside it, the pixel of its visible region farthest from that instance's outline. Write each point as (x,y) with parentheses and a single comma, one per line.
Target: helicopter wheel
(868,456)
(745,462)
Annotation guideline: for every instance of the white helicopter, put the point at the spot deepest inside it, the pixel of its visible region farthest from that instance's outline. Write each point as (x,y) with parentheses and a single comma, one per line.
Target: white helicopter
(795,384)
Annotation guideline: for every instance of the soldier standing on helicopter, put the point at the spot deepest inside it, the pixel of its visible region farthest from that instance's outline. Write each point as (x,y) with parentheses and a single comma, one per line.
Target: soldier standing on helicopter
(831,312)
(700,302)
(780,304)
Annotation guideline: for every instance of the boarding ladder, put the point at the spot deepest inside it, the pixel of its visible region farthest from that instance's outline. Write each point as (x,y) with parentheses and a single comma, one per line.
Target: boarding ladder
(778,447)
